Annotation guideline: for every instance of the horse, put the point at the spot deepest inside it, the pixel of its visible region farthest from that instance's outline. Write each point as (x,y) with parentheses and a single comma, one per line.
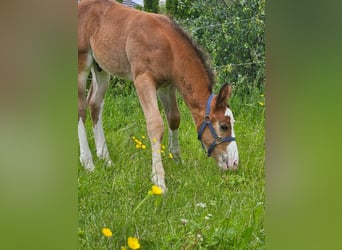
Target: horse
(160,58)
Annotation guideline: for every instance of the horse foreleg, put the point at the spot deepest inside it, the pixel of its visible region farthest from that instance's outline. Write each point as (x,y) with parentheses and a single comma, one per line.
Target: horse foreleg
(168,99)
(85,154)
(96,95)
(147,93)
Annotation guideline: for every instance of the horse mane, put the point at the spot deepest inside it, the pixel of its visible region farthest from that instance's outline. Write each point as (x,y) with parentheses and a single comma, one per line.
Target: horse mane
(199,52)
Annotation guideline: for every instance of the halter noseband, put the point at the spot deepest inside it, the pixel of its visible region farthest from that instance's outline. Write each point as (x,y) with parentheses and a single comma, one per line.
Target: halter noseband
(207,122)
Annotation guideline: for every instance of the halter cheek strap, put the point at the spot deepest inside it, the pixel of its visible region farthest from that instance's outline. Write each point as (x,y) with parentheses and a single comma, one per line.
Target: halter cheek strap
(207,123)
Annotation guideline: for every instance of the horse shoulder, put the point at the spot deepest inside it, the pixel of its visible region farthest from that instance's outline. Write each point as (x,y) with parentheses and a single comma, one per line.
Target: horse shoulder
(90,18)
(149,47)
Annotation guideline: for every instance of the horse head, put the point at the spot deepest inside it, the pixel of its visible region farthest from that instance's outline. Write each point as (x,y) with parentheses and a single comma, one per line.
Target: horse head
(217,130)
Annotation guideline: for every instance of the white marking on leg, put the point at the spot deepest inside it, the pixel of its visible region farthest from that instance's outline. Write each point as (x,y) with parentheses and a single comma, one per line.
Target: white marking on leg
(174,143)
(100,141)
(158,173)
(82,78)
(85,156)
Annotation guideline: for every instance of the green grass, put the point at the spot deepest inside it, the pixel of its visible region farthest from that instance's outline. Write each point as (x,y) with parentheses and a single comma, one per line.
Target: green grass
(232,211)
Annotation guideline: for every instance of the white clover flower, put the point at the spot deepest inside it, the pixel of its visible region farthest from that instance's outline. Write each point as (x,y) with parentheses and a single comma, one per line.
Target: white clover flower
(201,204)
(208,216)
(184,221)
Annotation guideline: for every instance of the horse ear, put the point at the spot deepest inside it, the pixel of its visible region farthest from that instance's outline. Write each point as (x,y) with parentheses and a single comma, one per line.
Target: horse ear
(223,96)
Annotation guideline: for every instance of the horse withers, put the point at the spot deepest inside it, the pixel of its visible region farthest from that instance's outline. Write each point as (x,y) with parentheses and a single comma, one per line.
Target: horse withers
(160,59)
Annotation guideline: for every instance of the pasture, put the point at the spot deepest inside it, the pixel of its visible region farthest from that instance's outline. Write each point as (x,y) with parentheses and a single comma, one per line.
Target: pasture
(204,208)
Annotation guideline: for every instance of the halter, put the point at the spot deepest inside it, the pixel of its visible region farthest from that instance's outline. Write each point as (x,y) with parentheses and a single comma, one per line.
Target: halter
(207,122)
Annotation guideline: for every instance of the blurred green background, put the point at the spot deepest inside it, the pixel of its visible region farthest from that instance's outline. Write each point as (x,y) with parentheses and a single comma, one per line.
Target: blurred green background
(303,121)
(38,133)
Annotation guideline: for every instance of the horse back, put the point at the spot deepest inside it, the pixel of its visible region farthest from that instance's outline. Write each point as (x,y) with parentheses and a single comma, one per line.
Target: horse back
(126,42)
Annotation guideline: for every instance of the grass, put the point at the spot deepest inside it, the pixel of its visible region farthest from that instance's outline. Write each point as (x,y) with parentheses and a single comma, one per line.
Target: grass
(204,208)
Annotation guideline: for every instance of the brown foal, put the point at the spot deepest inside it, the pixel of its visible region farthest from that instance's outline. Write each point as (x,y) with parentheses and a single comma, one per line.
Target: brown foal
(160,59)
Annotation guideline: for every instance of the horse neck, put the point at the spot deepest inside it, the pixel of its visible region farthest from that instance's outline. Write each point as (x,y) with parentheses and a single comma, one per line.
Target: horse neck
(194,86)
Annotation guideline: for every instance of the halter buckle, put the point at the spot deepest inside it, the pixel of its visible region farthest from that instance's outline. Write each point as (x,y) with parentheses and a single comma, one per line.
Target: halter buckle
(207,120)
(217,140)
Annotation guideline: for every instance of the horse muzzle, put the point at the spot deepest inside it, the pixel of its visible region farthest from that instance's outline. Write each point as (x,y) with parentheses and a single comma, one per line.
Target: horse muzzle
(230,158)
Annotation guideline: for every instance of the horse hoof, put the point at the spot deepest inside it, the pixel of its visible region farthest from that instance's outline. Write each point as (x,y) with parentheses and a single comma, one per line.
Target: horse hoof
(87,163)
(89,166)
(164,188)
(178,160)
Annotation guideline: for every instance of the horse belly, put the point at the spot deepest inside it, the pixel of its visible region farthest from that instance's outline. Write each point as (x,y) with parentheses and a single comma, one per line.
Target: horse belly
(111,58)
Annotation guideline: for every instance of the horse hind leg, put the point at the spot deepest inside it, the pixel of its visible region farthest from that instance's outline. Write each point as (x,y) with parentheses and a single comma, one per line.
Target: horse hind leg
(147,93)
(168,99)
(84,62)
(96,95)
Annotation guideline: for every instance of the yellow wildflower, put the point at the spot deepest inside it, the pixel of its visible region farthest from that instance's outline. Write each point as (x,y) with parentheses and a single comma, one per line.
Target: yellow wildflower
(133,243)
(143,146)
(106,232)
(143,137)
(154,140)
(138,145)
(123,248)
(156,190)
(261,103)
(163,147)
(133,138)
(170,155)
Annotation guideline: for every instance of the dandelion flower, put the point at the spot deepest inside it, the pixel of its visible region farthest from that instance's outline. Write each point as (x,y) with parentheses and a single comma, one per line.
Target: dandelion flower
(170,155)
(143,146)
(138,145)
(106,232)
(261,103)
(133,138)
(133,243)
(156,190)
(143,137)
(163,147)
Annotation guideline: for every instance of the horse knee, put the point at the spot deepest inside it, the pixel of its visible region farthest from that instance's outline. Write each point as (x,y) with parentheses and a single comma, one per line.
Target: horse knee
(155,128)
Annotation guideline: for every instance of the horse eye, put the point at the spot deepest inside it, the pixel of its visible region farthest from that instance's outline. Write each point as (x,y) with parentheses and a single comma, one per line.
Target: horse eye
(224,127)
